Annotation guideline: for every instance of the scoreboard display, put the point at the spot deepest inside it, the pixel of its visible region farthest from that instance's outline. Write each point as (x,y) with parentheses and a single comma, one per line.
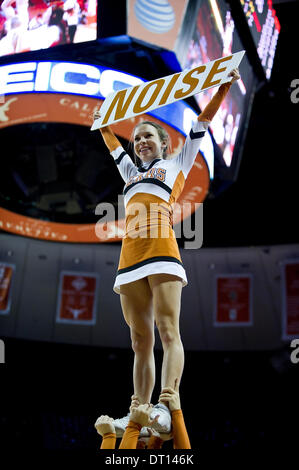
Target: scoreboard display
(264,27)
(32,25)
(210,32)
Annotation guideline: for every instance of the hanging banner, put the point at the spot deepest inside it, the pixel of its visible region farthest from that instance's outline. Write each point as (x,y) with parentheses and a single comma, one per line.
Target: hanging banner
(6,276)
(233,300)
(77,298)
(290,299)
(145,97)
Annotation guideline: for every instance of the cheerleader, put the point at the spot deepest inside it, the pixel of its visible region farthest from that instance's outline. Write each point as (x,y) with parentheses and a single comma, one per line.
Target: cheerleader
(150,274)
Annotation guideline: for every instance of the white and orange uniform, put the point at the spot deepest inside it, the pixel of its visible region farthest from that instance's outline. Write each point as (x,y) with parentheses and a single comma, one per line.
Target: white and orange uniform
(149,245)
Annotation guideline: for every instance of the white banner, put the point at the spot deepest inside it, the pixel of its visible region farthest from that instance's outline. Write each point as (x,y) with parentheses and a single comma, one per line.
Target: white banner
(147,96)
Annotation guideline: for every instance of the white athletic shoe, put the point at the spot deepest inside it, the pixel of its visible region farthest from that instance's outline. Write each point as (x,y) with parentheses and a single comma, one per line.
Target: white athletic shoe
(164,421)
(121,424)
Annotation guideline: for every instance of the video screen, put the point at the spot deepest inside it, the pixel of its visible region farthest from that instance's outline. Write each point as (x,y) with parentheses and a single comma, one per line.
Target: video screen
(30,25)
(215,36)
(264,26)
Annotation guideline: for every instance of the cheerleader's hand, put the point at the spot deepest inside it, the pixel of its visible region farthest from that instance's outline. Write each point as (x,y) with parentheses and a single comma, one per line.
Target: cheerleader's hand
(96,114)
(235,74)
(104,424)
(134,402)
(142,415)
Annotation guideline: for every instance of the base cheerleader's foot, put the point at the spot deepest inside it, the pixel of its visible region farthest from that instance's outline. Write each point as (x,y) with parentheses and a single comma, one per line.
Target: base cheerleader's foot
(120,424)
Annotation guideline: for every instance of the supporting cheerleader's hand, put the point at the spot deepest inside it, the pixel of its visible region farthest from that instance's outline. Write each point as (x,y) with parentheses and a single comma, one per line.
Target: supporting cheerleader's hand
(235,74)
(141,415)
(134,402)
(171,397)
(104,424)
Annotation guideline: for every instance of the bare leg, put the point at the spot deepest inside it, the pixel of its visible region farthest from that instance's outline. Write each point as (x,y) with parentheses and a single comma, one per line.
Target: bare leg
(166,291)
(136,302)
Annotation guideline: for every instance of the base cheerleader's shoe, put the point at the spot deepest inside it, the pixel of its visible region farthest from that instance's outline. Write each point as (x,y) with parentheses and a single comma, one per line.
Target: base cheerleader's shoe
(120,425)
(163,424)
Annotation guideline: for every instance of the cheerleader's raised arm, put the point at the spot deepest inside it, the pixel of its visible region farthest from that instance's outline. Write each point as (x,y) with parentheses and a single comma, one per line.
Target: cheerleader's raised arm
(124,163)
(187,156)
(212,107)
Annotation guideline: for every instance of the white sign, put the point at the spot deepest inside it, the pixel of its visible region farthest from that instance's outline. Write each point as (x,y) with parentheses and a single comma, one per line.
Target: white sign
(145,97)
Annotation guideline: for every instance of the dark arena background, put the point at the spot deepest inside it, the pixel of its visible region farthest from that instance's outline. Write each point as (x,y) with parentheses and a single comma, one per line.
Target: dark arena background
(61,369)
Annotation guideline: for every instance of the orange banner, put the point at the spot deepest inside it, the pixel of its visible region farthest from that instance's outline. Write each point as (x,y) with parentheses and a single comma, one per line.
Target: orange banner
(290,297)
(233,306)
(77,298)
(6,274)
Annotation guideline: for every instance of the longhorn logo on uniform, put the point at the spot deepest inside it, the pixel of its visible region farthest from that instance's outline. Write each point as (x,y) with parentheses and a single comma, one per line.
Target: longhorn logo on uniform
(157,173)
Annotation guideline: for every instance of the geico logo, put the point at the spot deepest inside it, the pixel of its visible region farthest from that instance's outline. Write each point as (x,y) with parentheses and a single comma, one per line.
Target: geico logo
(146,97)
(65,77)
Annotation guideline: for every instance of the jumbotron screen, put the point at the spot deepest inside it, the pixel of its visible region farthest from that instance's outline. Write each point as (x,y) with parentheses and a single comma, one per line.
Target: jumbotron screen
(30,25)
(265,28)
(214,36)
